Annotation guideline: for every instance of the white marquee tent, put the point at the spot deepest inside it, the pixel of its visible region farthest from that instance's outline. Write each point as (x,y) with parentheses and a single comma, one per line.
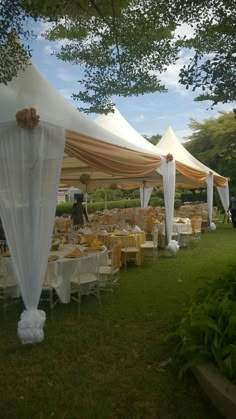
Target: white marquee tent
(30,171)
(117,124)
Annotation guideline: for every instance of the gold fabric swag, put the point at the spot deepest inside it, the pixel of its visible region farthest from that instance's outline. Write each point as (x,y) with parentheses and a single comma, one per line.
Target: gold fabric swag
(109,158)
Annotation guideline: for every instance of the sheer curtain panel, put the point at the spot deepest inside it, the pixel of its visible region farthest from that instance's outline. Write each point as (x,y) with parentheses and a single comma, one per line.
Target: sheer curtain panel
(145,194)
(30,166)
(168,174)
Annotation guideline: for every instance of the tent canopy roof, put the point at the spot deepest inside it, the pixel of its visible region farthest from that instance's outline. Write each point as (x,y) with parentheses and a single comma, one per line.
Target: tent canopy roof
(119,154)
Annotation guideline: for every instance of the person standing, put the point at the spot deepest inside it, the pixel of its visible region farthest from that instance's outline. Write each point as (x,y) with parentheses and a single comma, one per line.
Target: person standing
(232,209)
(79,212)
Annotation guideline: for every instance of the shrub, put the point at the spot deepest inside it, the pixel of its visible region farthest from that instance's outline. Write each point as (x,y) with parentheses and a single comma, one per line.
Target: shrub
(208,331)
(178,203)
(63,208)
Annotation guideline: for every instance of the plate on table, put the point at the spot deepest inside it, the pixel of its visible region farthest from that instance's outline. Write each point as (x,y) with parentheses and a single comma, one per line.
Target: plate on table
(74,254)
(53,258)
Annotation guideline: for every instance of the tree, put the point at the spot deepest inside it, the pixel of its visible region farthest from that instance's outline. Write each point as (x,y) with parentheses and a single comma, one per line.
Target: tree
(124,45)
(213,65)
(213,142)
(13,54)
(154,139)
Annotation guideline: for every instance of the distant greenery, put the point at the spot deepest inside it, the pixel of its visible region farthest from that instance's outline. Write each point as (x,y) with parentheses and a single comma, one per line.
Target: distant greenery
(154,139)
(97,201)
(213,142)
(208,330)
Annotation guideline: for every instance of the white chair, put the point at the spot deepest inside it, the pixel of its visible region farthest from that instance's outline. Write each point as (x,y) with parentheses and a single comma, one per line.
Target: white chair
(151,245)
(109,274)
(48,291)
(130,251)
(7,283)
(86,280)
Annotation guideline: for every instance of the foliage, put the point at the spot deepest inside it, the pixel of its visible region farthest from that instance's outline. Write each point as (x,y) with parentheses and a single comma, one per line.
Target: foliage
(154,139)
(13,55)
(103,37)
(116,59)
(208,330)
(213,142)
(212,67)
(177,203)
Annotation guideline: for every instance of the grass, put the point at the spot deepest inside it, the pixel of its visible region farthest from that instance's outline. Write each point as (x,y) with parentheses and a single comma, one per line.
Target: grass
(109,361)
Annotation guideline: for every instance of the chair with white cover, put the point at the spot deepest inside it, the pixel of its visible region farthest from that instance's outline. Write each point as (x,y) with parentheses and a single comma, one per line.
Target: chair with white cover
(86,280)
(109,274)
(48,290)
(7,284)
(130,251)
(151,245)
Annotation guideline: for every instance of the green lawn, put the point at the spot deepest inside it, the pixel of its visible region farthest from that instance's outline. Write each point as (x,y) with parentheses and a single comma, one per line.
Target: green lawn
(108,361)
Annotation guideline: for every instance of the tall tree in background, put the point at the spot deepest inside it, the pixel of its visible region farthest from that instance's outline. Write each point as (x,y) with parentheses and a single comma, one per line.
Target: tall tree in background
(212,68)
(124,45)
(154,139)
(213,142)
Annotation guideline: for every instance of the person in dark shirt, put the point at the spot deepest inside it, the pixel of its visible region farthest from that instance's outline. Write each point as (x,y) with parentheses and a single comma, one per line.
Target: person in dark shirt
(79,212)
(232,209)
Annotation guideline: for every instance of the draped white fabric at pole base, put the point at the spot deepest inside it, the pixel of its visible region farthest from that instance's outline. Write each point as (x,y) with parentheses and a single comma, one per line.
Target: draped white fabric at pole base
(168,173)
(30,166)
(210,186)
(224,196)
(145,194)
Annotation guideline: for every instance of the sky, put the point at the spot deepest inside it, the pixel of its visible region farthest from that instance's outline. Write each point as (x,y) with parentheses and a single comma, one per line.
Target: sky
(149,114)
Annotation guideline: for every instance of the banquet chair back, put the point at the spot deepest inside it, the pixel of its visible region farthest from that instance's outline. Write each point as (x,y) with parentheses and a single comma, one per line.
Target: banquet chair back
(109,275)
(86,281)
(150,245)
(130,250)
(49,289)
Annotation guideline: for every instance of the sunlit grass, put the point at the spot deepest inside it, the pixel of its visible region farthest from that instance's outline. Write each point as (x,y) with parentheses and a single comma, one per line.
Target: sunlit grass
(108,361)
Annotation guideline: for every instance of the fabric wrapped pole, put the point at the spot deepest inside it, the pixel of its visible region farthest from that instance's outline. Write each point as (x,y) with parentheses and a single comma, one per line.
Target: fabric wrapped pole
(145,194)
(30,165)
(210,185)
(224,196)
(168,174)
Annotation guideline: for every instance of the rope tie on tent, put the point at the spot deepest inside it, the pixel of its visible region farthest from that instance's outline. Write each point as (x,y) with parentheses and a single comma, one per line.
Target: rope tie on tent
(27,118)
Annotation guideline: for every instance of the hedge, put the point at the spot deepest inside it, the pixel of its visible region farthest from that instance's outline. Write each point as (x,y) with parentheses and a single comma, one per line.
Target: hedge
(66,207)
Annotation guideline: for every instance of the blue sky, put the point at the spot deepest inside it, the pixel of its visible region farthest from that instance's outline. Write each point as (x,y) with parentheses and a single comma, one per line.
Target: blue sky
(149,114)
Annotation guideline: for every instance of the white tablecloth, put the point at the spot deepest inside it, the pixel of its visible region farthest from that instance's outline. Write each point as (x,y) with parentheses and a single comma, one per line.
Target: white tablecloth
(60,272)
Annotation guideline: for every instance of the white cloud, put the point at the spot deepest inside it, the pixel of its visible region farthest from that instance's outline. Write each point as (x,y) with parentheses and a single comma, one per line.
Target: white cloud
(184,30)
(66,93)
(171,77)
(139,118)
(64,75)
(48,50)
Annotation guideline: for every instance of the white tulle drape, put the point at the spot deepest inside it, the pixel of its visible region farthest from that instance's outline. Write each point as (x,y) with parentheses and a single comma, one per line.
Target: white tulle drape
(224,196)
(168,175)
(210,186)
(145,194)
(30,165)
